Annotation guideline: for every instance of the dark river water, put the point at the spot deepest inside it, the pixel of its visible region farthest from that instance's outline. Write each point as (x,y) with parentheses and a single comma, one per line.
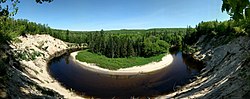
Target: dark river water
(91,84)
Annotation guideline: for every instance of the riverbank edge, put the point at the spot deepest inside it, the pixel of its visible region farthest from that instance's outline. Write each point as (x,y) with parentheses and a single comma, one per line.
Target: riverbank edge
(135,70)
(37,69)
(223,63)
(222,76)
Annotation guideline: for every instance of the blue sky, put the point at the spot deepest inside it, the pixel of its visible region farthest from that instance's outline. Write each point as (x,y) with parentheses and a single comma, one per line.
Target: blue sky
(85,15)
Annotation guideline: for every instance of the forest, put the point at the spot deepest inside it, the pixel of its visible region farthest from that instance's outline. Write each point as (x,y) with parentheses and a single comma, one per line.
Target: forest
(124,46)
(229,29)
(128,43)
(132,43)
(113,43)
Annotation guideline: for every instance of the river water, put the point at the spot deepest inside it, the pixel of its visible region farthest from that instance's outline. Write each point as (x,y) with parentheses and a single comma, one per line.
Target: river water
(91,84)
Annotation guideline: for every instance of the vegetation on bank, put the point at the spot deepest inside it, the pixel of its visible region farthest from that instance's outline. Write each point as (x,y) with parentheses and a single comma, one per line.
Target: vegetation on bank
(132,43)
(238,25)
(116,44)
(115,63)
(216,28)
(142,44)
(113,43)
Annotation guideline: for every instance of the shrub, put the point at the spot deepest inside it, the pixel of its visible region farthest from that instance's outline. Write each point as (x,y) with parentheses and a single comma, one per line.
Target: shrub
(25,55)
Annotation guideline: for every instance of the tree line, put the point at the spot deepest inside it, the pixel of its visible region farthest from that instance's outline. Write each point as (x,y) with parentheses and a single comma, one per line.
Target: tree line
(128,43)
(144,44)
(229,28)
(113,44)
(238,25)
(10,28)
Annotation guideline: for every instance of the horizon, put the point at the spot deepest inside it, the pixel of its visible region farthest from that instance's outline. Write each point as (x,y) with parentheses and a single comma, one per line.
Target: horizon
(94,15)
(122,29)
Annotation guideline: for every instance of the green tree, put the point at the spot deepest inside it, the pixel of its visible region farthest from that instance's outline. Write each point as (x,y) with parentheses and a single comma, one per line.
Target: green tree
(237,9)
(10,9)
(67,35)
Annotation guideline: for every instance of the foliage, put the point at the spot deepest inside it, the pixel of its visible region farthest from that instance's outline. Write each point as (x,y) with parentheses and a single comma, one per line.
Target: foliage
(10,28)
(9,7)
(144,43)
(115,63)
(115,43)
(237,9)
(25,55)
(215,29)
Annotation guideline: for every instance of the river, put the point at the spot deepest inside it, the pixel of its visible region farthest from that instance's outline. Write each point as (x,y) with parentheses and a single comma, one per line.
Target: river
(92,84)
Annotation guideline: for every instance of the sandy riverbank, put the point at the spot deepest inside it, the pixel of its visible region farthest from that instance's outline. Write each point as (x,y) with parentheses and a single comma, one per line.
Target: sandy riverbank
(36,69)
(136,70)
(50,47)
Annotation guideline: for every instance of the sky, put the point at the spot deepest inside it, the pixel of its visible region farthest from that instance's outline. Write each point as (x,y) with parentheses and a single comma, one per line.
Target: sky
(89,15)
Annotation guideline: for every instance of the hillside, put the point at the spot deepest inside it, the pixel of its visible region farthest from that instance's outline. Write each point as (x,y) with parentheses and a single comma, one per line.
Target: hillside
(26,71)
(226,73)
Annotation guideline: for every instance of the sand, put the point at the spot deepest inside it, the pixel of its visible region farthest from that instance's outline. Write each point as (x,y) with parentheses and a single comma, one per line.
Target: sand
(37,69)
(135,70)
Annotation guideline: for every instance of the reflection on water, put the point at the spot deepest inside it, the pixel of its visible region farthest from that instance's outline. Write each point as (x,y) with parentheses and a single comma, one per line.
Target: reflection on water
(105,86)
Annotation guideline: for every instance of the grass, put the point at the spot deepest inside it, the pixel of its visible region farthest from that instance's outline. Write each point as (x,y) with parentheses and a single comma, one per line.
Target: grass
(115,63)
(26,55)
